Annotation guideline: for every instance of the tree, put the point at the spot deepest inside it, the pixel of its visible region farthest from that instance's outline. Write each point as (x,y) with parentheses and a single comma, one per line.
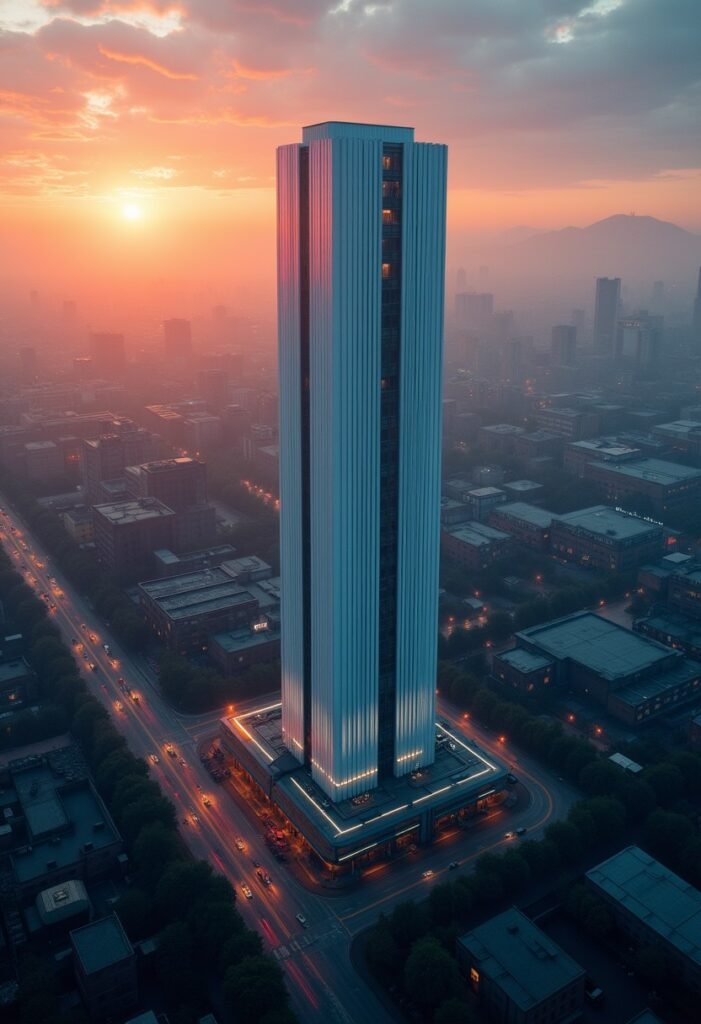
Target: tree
(566,838)
(666,781)
(453,1011)
(430,974)
(155,847)
(253,988)
(175,964)
(135,911)
(239,945)
(408,922)
(382,953)
(440,902)
(181,884)
(145,811)
(665,834)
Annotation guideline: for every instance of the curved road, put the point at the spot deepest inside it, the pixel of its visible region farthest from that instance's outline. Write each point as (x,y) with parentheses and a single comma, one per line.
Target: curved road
(315,955)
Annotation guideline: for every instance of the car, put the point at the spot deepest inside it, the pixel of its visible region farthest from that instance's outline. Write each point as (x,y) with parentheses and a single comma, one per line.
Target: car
(106,648)
(119,706)
(302,920)
(428,874)
(170,750)
(509,835)
(246,890)
(194,819)
(93,638)
(511,779)
(93,666)
(182,762)
(135,696)
(154,758)
(453,865)
(83,626)
(207,801)
(521,831)
(121,684)
(239,843)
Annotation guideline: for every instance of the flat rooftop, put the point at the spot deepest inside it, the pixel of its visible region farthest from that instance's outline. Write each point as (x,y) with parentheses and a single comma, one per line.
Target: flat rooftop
(246,638)
(62,817)
(523,485)
(484,492)
(681,629)
(478,534)
(101,944)
(659,899)
(657,471)
(596,643)
(603,522)
(196,593)
(520,958)
(461,769)
(504,428)
(10,671)
(645,690)
(603,446)
(356,130)
(134,510)
(521,511)
(523,660)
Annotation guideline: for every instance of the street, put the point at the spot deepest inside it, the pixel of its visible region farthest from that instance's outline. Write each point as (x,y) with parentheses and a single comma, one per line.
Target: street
(315,956)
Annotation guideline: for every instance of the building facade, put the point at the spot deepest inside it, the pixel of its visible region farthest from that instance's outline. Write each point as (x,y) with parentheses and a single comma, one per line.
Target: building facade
(361,251)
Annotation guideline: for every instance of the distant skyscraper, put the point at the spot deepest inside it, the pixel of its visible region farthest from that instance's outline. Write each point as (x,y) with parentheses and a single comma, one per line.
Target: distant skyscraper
(563,345)
(608,298)
(696,317)
(461,280)
(177,340)
(361,250)
(107,354)
(639,340)
(474,311)
(28,364)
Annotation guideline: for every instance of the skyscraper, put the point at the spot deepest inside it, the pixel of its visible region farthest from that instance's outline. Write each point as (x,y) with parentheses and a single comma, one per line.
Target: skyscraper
(696,316)
(608,297)
(361,254)
(563,345)
(107,354)
(177,341)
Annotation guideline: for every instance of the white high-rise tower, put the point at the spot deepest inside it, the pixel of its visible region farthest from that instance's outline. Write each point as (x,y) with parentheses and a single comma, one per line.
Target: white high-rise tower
(361,263)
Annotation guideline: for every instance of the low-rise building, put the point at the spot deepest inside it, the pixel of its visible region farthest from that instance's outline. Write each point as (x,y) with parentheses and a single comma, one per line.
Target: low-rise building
(654,907)
(519,975)
(43,461)
(105,968)
(570,423)
(523,670)
(239,649)
(684,592)
(18,684)
(668,487)
(578,454)
(481,501)
(523,490)
(128,532)
(78,524)
(605,538)
(185,611)
(632,677)
(475,545)
(500,438)
(61,828)
(526,523)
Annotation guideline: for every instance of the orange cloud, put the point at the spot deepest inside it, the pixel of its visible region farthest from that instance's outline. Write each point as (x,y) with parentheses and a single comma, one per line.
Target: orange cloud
(266,74)
(152,65)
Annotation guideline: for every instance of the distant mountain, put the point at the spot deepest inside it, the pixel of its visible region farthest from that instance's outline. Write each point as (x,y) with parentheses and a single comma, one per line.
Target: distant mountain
(561,265)
(624,246)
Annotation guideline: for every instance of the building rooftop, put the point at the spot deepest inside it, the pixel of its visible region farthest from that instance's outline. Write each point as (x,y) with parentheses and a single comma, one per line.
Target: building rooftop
(523,660)
(353,130)
(643,691)
(62,900)
(196,593)
(598,644)
(484,492)
(521,511)
(681,629)
(11,671)
(520,958)
(604,522)
(603,446)
(523,485)
(478,534)
(247,565)
(101,944)
(679,428)
(62,816)
(503,428)
(247,637)
(35,446)
(134,510)
(657,471)
(661,900)
(460,770)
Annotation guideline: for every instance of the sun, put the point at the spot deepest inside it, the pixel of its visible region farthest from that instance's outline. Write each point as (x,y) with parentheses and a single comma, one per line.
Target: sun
(131,211)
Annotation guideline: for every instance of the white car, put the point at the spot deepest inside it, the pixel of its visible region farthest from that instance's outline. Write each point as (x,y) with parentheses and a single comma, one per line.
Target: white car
(509,835)
(302,920)
(428,874)
(239,843)
(246,890)
(154,758)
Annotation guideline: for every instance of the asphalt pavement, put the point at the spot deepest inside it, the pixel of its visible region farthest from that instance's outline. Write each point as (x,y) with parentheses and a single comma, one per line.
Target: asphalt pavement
(315,955)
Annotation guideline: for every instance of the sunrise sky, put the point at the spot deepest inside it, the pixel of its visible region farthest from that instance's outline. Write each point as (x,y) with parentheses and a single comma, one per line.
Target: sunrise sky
(555,111)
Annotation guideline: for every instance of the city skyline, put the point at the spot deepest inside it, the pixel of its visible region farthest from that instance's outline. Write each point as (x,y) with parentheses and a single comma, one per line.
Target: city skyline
(553,119)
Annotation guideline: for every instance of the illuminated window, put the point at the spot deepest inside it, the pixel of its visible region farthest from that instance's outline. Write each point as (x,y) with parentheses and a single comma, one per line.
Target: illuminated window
(386,270)
(475,976)
(389,217)
(386,163)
